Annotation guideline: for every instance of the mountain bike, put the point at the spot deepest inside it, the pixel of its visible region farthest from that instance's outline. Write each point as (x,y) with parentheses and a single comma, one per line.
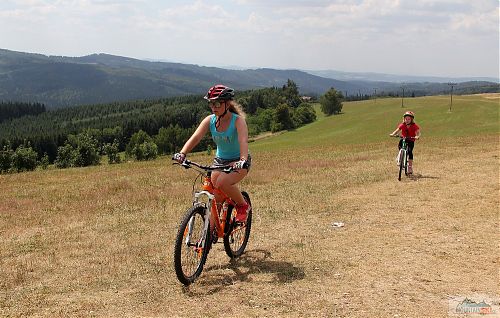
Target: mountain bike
(402,158)
(207,221)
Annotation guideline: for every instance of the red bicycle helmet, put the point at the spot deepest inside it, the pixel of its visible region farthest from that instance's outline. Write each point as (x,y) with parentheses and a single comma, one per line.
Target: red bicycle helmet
(409,113)
(219,92)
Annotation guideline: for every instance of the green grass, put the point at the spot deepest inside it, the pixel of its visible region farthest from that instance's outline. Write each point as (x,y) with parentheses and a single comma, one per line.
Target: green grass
(369,121)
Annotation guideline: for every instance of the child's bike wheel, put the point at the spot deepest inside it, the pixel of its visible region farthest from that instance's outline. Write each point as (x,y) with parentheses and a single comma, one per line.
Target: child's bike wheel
(189,255)
(236,240)
(401,163)
(406,164)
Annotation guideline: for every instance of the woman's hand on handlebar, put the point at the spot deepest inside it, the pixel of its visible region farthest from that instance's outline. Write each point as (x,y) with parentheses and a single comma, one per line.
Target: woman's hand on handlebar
(179,157)
(240,164)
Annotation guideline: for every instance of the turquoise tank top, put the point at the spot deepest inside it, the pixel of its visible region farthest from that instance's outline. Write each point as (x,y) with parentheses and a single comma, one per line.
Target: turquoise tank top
(227,143)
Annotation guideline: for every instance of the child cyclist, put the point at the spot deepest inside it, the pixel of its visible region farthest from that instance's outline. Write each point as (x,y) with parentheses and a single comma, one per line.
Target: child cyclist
(229,131)
(411,132)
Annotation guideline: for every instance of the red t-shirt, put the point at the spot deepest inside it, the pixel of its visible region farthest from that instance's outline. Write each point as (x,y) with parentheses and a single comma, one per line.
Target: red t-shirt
(409,130)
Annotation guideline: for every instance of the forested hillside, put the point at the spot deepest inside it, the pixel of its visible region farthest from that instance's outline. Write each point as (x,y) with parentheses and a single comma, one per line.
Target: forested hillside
(166,123)
(58,81)
(10,110)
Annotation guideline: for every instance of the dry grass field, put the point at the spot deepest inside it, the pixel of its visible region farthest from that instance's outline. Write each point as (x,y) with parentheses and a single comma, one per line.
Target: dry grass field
(98,241)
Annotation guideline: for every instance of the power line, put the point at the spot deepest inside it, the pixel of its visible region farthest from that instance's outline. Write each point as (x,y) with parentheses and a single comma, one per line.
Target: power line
(402,97)
(451,93)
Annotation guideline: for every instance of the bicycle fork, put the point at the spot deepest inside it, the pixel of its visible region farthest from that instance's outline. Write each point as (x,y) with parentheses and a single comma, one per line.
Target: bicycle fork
(206,224)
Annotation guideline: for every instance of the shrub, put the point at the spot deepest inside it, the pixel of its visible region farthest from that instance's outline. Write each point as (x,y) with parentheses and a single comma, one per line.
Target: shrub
(44,162)
(65,156)
(86,150)
(304,114)
(331,102)
(282,118)
(145,151)
(79,151)
(24,158)
(142,146)
(112,150)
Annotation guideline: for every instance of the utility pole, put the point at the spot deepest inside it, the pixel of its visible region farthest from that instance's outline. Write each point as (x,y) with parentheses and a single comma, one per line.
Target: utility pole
(451,93)
(402,97)
(375,94)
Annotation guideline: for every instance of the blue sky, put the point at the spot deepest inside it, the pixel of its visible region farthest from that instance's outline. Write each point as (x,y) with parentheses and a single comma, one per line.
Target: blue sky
(419,37)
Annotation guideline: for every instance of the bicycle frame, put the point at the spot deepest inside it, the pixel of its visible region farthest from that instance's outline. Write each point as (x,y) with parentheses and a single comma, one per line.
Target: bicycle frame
(210,204)
(404,147)
(210,192)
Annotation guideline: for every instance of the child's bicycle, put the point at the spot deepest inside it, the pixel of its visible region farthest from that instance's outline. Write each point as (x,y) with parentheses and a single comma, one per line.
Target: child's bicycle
(205,222)
(402,158)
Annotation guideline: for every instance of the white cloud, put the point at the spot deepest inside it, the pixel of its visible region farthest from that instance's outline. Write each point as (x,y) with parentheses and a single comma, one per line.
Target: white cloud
(344,34)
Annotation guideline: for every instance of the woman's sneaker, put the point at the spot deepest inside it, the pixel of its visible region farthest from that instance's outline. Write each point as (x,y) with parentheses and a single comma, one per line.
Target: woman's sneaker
(242,212)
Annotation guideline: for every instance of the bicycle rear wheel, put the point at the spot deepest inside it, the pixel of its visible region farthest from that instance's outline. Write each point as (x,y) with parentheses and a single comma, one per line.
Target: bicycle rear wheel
(402,156)
(236,239)
(189,253)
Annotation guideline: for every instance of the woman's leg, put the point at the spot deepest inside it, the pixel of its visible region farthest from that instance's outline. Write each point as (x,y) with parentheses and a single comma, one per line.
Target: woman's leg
(227,182)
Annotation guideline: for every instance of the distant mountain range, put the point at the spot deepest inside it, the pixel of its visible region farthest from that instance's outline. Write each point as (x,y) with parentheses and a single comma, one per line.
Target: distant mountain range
(380,77)
(59,81)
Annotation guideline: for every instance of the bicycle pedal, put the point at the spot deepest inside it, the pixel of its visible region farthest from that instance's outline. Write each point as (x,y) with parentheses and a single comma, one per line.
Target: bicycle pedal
(239,224)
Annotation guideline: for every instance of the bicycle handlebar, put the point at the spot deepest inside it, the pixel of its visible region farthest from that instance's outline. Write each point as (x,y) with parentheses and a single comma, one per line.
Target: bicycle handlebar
(398,136)
(188,164)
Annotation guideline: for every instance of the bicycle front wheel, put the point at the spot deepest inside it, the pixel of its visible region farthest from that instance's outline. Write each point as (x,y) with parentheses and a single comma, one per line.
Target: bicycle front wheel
(191,245)
(402,156)
(236,240)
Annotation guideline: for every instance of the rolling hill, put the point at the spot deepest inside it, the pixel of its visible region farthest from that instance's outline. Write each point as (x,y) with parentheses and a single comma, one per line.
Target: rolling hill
(60,81)
(66,81)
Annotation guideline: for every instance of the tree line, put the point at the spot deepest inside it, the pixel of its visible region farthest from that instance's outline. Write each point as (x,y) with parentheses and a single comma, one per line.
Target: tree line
(144,129)
(10,110)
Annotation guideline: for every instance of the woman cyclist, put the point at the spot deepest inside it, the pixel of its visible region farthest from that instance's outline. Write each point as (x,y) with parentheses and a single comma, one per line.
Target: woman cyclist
(230,133)
(411,131)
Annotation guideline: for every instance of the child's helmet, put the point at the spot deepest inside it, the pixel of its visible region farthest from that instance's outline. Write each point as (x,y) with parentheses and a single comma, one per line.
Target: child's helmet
(219,92)
(409,113)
